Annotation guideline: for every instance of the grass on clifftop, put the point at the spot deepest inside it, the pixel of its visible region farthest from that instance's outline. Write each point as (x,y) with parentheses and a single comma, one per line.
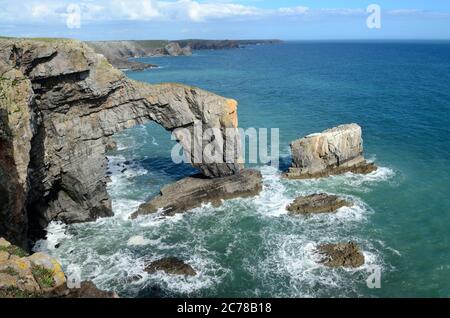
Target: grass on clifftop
(152,44)
(43,276)
(12,292)
(33,39)
(14,250)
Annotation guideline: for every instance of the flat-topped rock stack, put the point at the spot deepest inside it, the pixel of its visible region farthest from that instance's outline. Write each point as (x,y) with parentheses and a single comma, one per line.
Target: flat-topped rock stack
(334,151)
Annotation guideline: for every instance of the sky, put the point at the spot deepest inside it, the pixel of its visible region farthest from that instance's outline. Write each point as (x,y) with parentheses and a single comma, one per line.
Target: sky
(222,19)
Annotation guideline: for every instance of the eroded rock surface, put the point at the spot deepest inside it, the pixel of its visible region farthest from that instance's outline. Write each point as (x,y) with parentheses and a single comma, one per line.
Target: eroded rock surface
(38,276)
(87,290)
(174,49)
(35,274)
(60,102)
(171,265)
(334,151)
(317,203)
(341,255)
(192,192)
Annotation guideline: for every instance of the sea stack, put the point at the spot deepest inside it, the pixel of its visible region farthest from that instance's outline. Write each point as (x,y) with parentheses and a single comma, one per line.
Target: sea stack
(334,151)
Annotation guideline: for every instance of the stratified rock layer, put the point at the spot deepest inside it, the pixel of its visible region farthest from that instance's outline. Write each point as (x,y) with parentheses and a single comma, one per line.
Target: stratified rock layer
(334,151)
(341,255)
(317,203)
(60,102)
(192,192)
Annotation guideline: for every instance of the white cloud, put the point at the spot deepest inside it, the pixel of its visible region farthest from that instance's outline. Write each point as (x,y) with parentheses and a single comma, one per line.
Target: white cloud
(40,10)
(418,12)
(73,20)
(50,11)
(294,10)
(343,12)
(135,9)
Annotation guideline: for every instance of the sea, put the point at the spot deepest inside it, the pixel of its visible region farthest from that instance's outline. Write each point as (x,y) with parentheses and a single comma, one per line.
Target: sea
(397,91)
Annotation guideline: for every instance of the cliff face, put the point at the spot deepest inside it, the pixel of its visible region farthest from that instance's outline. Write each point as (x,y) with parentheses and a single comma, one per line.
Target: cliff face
(118,53)
(222,44)
(333,151)
(60,103)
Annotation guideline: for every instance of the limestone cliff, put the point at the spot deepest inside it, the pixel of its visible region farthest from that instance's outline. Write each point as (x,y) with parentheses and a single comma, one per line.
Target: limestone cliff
(333,151)
(60,102)
(119,53)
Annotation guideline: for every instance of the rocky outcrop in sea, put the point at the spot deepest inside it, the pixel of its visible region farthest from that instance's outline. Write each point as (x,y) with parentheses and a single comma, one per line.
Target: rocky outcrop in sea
(171,265)
(60,103)
(334,151)
(192,192)
(341,255)
(316,203)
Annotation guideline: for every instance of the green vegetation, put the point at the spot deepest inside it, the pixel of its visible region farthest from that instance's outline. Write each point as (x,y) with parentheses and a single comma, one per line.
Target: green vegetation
(10,271)
(34,39)
(14,250)
(13,292)
(43,276)
(46,39)
(152,44)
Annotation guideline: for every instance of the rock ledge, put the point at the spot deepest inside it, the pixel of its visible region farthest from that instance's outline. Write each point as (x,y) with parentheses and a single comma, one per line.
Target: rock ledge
(192,192)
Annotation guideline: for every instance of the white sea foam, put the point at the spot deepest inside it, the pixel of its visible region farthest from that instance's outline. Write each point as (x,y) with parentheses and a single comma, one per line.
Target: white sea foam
(272,200)
(157,219)
(138,240)
(209,274)
(56,233)
(122,178)
(293,262)
(379,175)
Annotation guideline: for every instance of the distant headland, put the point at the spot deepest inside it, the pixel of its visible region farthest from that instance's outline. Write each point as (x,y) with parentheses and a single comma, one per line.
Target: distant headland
(119,53)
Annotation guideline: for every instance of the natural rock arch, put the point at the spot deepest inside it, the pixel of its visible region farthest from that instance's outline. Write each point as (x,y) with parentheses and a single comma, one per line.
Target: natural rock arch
(71,102)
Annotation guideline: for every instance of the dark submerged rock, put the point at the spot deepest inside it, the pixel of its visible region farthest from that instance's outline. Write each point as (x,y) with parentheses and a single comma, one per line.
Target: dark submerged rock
(171,265)
(317,203)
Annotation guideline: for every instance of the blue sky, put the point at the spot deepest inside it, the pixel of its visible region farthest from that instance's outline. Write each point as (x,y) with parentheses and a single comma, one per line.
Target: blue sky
(218,19)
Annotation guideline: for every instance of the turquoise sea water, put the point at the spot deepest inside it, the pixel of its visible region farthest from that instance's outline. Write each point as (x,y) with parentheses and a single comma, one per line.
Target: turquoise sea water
(398,92)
